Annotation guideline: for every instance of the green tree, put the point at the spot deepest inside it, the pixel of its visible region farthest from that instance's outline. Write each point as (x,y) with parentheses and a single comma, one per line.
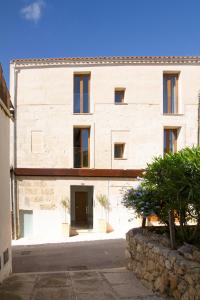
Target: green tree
(171,189)
(176,180)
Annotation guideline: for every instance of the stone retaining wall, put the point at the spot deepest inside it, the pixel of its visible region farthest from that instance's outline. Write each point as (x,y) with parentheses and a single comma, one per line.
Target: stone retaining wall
(163,270)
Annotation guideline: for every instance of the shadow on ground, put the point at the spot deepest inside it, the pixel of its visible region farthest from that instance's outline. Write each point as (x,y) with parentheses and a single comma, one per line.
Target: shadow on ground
(68,256)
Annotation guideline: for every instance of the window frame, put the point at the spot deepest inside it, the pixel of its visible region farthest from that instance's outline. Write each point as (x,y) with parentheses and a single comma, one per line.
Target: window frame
(175,132)
(81,75)
(169,91)
(119,90)
(119,144)
(81,147)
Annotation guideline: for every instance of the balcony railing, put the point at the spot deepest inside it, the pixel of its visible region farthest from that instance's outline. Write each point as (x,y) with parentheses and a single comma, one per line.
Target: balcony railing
(81,158)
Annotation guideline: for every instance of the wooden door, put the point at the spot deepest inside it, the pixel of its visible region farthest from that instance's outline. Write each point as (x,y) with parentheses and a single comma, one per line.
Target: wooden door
(81,204)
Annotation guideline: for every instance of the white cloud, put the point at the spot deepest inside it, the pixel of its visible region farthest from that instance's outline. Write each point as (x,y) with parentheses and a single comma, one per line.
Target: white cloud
(33,12)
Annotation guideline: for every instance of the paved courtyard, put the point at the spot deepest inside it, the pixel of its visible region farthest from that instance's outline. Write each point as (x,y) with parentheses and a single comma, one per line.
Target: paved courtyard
(87,267)
(105,284)
(69,256)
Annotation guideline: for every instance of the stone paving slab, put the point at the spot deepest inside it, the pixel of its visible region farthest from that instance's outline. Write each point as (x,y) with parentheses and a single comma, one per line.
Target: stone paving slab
(109,284)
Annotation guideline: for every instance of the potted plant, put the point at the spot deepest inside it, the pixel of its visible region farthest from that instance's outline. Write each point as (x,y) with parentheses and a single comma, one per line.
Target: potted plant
(105,206)
(65,224)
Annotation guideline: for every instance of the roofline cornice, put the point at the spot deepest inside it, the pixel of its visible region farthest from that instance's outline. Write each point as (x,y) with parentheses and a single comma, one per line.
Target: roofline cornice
(109,60)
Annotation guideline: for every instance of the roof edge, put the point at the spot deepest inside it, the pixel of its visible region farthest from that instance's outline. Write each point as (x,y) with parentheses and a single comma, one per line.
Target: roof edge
(111,60)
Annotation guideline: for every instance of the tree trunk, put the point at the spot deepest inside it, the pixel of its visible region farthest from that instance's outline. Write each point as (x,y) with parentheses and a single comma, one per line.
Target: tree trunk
(172,229)
(144,222)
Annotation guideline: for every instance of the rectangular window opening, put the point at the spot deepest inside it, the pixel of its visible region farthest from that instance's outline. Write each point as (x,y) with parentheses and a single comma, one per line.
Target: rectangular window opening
(81,93)
(170,140)
(81,147)
(170,93)
(119,96)
(119,150)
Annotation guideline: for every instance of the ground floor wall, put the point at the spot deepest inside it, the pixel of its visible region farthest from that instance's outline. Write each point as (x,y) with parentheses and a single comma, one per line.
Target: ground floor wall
(41,213)
(5,216)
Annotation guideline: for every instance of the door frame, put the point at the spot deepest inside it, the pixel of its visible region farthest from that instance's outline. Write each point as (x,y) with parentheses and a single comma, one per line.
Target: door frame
(90,206)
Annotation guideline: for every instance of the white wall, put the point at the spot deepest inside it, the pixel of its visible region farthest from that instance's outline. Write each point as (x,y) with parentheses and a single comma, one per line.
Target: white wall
(45,104)
(5,215)
(43,197)
(44,97)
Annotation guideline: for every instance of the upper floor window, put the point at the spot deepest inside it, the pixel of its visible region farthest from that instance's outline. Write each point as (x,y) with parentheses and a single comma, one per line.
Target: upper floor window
(81,93)
(119,96)
(81,147)
(119,150)
(170,93)
(170,140)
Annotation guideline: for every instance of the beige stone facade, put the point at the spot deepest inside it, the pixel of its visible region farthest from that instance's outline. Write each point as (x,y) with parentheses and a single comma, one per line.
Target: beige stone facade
(5,215)
(43,92)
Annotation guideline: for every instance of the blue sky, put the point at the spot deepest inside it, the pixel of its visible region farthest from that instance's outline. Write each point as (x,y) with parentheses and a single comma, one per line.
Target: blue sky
(61,28)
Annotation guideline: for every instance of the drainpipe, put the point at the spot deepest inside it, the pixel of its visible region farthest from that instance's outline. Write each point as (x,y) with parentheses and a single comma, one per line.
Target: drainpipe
(15,200)
(12,203)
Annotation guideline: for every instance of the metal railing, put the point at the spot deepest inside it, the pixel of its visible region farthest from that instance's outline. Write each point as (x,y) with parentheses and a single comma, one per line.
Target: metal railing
(81,158)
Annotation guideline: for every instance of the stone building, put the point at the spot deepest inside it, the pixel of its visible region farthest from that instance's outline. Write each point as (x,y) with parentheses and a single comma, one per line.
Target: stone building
(5,217)
(87,127)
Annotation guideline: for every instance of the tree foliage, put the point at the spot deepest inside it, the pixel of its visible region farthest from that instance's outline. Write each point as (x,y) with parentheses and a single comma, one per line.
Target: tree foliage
(171,184)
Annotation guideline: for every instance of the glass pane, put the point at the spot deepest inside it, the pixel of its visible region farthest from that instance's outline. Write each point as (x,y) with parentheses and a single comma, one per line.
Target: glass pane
(173,92)
(169,94)
(86,93)
(119,149)
(170,141)
(173,138)
(77,148)
(165,141)
(165,96)
(170,136)
(119,96)
(85,139)
(76,94)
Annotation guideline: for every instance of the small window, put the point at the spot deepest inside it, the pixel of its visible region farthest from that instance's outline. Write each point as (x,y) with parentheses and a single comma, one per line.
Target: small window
(119,96)
(81,93)
(170,140)
(170,93)
(119,150)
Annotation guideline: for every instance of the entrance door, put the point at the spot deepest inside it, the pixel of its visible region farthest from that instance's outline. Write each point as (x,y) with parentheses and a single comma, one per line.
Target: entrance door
(81,206)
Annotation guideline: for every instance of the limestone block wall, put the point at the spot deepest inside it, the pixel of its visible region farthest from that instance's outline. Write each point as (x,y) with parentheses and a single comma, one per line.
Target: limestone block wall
(160,268)
(44,108)
(5,213)
(42,196)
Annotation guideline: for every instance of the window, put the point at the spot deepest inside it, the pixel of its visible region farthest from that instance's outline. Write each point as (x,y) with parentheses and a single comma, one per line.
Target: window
(81,93)
(170,93)
(119,96)
(170,140)
(119,150)
(81,147)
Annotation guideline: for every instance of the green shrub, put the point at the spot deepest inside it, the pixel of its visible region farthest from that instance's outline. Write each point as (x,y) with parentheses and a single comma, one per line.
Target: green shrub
(171,188)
